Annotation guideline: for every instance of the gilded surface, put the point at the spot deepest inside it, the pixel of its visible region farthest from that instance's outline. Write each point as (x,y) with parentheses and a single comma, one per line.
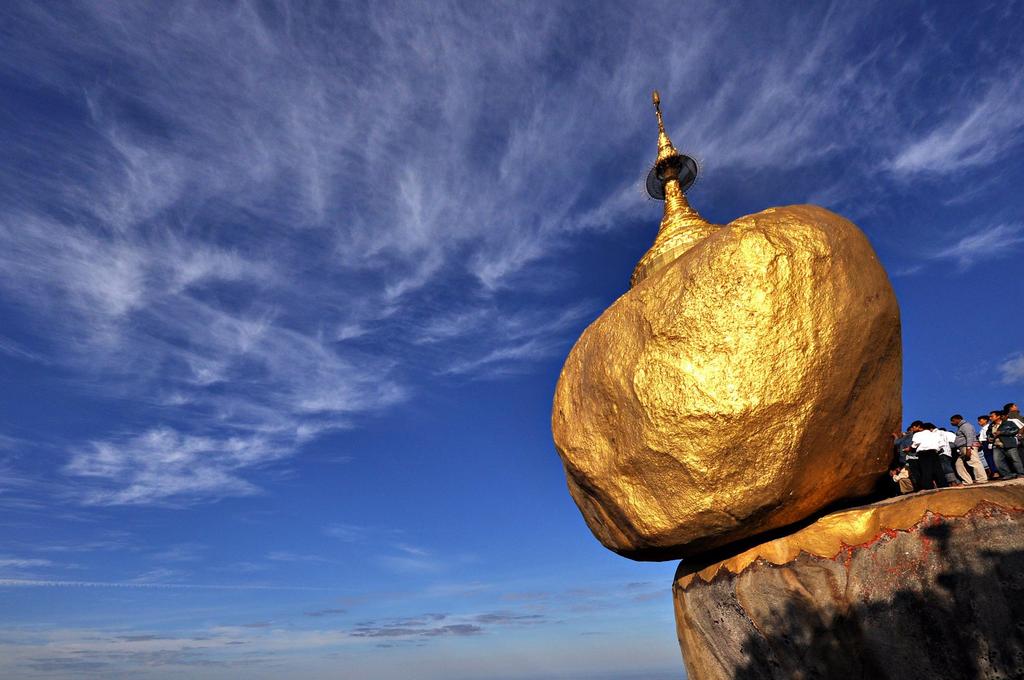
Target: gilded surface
(749,378)
(828,536)
(682,226)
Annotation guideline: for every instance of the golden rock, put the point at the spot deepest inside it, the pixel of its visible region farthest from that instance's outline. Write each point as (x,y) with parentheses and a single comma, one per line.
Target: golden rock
(749,378)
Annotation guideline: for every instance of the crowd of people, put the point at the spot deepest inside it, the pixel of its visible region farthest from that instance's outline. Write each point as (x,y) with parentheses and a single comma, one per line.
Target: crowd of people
(928,457)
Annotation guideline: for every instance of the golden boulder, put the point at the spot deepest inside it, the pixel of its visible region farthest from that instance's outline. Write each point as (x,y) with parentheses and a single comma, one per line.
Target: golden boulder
(749,378)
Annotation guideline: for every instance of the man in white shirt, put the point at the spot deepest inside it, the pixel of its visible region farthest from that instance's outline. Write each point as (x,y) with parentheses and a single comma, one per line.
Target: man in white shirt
(927,443)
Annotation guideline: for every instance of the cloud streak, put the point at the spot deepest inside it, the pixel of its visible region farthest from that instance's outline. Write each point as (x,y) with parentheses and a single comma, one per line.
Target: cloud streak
(983,245)
(984,130)
(978,247)
(1011,371)
(264,224)
(52,583)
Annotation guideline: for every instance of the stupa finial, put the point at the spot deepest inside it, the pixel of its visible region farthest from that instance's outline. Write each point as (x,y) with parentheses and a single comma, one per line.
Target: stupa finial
(681,226)
(656,98)
(665,149)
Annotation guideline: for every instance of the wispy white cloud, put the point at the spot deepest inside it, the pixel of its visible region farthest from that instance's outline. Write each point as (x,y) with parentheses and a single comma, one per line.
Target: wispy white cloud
(978,247)
(13,349)
(908,270)
(160,575)
(349,533)
(136,313)
(398,556)
(181,552)
(286,556)
(7,561)
(976,131)
(319,613)
(512,338)
(266,221)
(163,464)
(108,541)
(983,245)
(501,359)
(1011,371)
(144,583)
(410,559)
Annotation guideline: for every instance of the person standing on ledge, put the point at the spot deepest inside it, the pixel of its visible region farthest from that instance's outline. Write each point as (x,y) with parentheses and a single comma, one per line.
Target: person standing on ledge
(1004,432)
(927,443)
(966,445)
(1013,413)
(946,438)
(912,460)
(985,442)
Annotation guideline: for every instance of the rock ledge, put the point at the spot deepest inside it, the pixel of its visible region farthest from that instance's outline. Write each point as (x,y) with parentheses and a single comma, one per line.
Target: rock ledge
(926,585)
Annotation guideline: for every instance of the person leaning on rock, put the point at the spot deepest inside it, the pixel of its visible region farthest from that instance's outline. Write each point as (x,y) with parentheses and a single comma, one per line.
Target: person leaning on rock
(901,447)
(965,443)
(1006,451)
(911,458)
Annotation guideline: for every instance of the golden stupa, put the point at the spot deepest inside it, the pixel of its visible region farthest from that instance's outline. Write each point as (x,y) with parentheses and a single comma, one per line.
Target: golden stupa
(749,378)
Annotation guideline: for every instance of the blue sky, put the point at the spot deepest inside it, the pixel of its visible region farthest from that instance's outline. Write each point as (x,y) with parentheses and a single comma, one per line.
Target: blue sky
(285,289)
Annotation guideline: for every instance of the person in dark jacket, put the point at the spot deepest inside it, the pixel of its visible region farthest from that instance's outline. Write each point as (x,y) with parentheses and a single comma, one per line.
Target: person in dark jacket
(1006,452)
(910,457)
(901,445)
(1011,412)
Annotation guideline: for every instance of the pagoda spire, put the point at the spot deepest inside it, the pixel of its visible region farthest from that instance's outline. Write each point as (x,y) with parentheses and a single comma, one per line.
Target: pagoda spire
(665,149)
(681,225)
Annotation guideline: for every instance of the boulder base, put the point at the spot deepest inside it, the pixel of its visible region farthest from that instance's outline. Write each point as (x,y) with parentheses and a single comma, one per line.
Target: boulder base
(929,585)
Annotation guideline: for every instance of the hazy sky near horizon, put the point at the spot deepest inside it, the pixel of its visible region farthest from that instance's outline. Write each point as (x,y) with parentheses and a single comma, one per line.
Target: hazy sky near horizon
(285,289)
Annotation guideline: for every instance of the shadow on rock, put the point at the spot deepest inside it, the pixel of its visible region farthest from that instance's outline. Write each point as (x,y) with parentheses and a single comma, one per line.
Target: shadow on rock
(966,622)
